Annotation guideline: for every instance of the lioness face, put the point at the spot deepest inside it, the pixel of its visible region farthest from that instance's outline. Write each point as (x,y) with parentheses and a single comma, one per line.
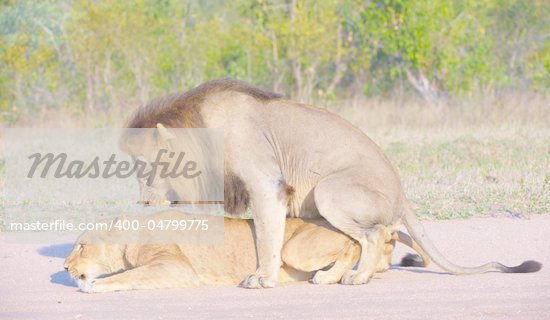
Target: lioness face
(90,261)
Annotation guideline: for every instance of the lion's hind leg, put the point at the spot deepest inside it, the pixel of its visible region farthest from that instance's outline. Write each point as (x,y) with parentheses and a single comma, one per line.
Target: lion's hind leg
(361,213)
(372,247)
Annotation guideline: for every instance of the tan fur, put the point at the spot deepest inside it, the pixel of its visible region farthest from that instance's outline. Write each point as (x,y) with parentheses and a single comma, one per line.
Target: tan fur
(335,171)
(310,245)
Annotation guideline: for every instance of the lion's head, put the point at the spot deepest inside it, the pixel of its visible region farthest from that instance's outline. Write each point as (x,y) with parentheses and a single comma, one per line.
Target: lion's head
(176,164)
(203,147)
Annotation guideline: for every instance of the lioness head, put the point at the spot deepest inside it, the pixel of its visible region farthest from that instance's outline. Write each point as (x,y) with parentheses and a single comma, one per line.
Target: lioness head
(92,258)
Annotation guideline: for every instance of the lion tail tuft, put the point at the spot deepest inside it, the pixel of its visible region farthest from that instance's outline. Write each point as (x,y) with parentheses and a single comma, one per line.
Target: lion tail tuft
(526,267)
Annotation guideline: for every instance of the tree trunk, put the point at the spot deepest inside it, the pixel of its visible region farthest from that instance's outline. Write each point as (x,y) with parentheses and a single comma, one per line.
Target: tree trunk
(297,74)
(423,86)
(90,105)
(340,66)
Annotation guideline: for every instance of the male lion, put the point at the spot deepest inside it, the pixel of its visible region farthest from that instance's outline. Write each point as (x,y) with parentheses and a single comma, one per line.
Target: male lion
(284,158)
(101,262)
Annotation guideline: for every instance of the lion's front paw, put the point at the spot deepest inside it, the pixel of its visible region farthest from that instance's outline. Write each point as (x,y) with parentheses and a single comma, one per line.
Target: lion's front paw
(355,277)
(156,200)
(153,197)
(258,281)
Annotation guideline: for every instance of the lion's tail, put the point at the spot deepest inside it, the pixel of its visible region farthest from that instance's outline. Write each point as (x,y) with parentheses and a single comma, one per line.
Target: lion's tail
(411,260)
(417,232)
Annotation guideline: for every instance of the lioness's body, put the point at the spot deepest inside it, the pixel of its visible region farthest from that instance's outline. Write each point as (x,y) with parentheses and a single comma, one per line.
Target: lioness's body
(101,261)
(148,266)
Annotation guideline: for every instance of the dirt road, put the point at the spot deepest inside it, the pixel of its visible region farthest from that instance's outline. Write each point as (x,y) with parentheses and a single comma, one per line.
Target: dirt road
(33,285)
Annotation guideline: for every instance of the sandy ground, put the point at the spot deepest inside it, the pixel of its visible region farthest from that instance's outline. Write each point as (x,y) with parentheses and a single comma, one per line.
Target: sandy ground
(33,284)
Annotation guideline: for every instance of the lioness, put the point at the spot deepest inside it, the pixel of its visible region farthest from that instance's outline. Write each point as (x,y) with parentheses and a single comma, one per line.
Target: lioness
(284,158)
(108,265)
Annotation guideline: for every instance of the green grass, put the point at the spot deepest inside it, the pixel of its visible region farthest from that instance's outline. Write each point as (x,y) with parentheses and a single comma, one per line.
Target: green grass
(466,172)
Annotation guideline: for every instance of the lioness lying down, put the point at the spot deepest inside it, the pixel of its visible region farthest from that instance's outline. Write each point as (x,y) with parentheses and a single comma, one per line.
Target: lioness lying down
(310,245)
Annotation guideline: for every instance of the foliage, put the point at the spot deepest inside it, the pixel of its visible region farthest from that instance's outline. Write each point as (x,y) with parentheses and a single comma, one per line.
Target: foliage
(96,56)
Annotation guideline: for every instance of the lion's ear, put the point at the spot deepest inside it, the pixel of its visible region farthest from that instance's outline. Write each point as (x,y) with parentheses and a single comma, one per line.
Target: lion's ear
(164,133)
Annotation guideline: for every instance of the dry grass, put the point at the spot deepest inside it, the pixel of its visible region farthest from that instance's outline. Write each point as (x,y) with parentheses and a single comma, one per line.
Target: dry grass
(455,161)
(485,157)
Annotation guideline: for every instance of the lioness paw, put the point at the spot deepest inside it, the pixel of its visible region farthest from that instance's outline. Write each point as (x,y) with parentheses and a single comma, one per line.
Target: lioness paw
(86,286)
(355,277)
(324,277)
(257,281)
(96,286)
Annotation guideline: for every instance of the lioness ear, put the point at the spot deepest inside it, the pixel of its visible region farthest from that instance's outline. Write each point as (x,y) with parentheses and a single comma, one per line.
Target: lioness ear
(164,133)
